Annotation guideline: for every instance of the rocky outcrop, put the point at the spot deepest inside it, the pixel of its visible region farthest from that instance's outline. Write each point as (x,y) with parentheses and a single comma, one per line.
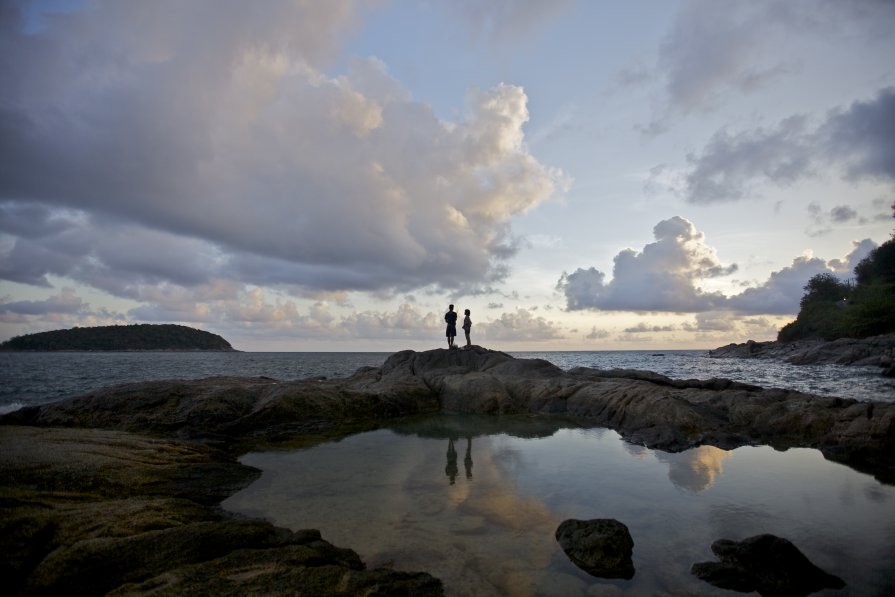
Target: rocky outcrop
(86,512)
(601,547)
(89,503)
(875,351)
(646,408)
(767,564)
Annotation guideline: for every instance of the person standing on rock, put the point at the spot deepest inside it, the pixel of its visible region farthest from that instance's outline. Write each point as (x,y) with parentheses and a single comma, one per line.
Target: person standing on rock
(451,318)
(467,325)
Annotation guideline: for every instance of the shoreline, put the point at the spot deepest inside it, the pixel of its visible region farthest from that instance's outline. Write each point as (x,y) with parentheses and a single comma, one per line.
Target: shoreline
(875,351)
(76,515)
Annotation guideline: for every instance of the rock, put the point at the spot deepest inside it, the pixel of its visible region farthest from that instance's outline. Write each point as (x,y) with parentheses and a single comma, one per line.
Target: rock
(644,407)
(873,351)
(89,503)
(767,564)
(87,511)
(601,547)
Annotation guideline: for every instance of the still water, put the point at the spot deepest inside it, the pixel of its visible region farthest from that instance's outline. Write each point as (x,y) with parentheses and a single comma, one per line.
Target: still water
(476,501)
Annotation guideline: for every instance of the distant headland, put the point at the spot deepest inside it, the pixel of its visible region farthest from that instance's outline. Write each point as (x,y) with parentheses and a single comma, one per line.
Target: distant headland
(134,337)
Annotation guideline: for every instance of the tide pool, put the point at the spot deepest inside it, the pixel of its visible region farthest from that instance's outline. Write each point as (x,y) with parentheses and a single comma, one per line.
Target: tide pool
(475,501)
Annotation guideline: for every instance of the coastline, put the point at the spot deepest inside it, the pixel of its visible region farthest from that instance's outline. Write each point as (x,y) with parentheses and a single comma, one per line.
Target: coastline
(875,351)
(61,461)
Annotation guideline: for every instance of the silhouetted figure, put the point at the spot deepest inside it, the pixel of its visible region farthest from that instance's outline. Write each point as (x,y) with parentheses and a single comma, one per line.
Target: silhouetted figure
(467,325)
(467,461)
(451,469)
(451,318)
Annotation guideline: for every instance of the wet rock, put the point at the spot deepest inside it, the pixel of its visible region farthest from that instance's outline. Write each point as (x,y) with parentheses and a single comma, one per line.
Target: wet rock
(767,564)
(601,547)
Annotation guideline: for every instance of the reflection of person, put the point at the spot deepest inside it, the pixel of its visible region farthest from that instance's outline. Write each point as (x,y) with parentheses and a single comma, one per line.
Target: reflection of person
(451,318)
(467,325)
(451,469)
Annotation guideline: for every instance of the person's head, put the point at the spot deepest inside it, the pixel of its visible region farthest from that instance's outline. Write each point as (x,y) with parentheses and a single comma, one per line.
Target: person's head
(466,312)
(450,307)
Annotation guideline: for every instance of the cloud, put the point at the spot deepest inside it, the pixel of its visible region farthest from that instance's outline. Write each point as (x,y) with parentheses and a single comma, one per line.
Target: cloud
(781,292)
(506,21)
(61,310)
(710,50)
(662,277)
(596,334)
(859,138)
(644,328)
(520,325)
(66,302)
(857,141)
(729,163)
(214,137)
(715,50)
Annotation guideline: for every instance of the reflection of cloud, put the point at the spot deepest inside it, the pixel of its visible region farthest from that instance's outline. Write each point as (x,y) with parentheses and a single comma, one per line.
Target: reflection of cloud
(694,470)
(492,501)
(637,451)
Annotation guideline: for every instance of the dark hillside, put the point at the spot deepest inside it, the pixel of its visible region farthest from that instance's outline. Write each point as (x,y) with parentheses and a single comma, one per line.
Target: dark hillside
(120,337)
(865,307)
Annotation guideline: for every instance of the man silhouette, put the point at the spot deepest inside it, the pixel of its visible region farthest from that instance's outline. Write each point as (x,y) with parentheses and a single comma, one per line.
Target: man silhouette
(451,318)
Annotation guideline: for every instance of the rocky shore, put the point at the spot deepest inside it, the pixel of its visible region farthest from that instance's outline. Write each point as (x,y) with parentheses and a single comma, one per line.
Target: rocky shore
(119,490)
(877,351)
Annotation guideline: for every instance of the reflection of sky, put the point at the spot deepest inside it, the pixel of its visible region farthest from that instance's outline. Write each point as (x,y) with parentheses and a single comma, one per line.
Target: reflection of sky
(388,497)
(694,470)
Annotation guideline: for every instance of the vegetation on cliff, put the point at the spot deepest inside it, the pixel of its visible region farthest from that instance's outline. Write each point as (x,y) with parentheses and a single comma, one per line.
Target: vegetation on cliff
(120,337)
(864,307)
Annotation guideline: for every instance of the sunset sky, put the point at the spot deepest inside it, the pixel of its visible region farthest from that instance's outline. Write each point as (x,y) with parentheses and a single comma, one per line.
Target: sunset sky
(299,175)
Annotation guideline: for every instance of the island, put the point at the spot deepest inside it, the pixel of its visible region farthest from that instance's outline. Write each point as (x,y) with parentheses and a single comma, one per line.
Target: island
(135,337)
(118,491)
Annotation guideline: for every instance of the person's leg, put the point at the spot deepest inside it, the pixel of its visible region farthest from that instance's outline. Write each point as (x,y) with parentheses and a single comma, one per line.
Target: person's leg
(468,343)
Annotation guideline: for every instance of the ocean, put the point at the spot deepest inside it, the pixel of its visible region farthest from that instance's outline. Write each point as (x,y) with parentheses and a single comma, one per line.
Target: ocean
(32,378)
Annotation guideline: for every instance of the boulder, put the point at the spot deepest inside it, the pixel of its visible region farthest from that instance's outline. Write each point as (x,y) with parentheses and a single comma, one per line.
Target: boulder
(601,547)
(767,564)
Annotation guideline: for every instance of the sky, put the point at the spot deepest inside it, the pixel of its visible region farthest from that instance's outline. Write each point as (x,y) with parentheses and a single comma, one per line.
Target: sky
(328,176)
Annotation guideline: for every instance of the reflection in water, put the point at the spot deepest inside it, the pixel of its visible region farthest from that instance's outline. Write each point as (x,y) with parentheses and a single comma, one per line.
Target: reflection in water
(694,470)
(451,469)
(383,493)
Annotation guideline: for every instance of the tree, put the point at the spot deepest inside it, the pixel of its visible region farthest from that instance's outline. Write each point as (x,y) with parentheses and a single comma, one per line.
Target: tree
(825,288)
